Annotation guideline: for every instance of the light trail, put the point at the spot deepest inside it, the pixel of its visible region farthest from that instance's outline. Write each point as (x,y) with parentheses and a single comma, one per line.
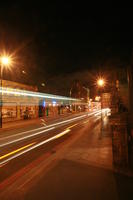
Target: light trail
(72,126)
(86,122)
(28,136)
(40,128)
(32,146)
(45,129)
(98,113)
(103,110)
(15,151)
(36,145)
(19,92)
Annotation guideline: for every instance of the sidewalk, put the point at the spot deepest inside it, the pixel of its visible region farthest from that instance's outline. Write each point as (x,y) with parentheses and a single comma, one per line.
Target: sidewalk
(84,172)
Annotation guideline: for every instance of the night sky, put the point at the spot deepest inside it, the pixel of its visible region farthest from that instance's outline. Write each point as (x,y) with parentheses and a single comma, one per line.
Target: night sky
(55,39)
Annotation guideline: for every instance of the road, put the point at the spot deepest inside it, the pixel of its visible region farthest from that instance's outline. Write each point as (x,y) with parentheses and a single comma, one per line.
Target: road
(66,159)
(23,150)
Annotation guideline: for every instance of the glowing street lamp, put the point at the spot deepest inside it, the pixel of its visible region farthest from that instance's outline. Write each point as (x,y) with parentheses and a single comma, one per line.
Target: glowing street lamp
(97,98)
(43,84)
(100,82)
(24,72)
(5,61)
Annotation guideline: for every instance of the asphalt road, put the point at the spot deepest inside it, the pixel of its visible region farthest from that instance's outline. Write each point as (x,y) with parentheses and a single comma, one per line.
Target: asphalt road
(21,151)
(63,160)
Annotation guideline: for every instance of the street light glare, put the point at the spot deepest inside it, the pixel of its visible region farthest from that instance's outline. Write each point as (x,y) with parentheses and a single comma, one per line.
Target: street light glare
(97,98)
(100,82)
(43,84)
(5,60)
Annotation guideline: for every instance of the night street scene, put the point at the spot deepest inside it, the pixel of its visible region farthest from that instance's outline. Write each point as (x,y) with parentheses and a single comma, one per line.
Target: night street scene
(66,100)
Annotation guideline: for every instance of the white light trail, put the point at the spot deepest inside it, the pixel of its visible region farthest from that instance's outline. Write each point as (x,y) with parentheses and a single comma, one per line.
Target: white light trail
(44,129)
(102,111)
(35,146)
(12,91)
(43,142)
(98,113)
(26,137)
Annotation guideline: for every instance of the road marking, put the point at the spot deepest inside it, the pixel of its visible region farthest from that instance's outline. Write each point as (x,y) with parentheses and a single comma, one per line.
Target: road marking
(16,151)
(43,122)
(35,146)
(71,126)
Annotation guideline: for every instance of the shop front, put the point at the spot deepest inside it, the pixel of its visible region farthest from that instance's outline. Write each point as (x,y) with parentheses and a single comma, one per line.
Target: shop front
(16,107)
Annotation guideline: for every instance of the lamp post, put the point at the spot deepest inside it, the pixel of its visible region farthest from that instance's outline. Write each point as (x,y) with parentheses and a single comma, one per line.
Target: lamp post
(4,62)
(101,84)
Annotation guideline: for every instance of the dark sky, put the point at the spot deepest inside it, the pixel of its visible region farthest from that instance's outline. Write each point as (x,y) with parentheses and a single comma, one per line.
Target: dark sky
(63,37)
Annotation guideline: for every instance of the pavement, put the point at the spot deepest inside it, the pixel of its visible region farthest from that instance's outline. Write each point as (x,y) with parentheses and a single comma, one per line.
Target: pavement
(84,171)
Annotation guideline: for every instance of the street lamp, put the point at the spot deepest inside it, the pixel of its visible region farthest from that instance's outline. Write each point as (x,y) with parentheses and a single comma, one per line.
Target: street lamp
(101,84)
(43,84)
(5,61)
(24,72)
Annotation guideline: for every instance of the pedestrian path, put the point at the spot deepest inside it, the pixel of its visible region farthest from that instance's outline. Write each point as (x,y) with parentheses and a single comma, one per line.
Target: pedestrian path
(92,150)
(84,171)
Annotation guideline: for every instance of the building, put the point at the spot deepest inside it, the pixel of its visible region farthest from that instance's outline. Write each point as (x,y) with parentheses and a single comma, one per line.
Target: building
(14,107)
(21,101)
(79,91)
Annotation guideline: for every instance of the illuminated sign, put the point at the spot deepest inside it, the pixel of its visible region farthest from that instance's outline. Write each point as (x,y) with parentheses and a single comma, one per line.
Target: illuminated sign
(44,103)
